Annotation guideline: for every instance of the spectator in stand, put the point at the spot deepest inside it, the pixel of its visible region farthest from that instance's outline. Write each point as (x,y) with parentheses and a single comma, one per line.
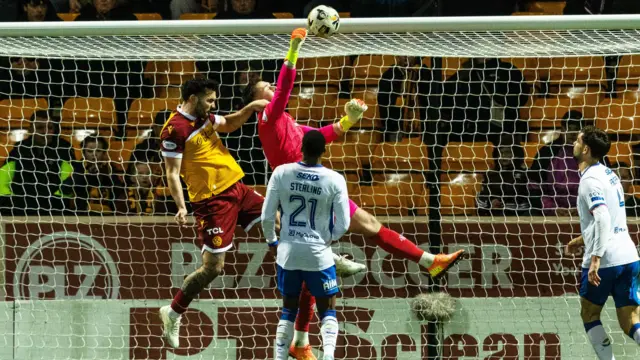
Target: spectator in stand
(31,177)
(626,175)
(406,78)
(141,197)
(31,78)
(149,150)
(245,9)
(504,191)
(560,178)
(482,100)
(94,187)
(179,7)
(105,10)
(38,10)
(540,173)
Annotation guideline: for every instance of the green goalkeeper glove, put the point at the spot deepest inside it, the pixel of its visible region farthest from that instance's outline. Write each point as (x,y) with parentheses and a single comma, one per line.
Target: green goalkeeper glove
(354,109)
(297,39)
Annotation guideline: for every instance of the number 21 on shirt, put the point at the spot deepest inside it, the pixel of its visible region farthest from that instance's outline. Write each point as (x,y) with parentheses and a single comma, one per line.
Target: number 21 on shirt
(302,204)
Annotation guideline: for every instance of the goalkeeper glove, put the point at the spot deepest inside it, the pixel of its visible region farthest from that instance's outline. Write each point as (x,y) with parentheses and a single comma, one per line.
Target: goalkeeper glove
(354,109)
(297,39)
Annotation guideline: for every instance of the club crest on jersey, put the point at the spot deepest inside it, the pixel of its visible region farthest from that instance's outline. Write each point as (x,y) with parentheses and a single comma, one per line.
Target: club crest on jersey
(169,145)
(217,241)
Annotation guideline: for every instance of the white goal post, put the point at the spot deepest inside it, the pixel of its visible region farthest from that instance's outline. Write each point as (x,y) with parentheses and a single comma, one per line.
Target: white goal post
(87,285)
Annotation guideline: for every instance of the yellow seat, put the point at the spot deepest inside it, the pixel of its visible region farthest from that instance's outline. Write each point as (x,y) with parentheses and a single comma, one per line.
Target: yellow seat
(409,154)
(21,109)
(547,112)
(629,70)
(621,151)
(381,199)
(148,16)
(369,95)
(548,7)
(468,156)
(68,16)
(323,70)
(314,104)
(412,187)
(459,192)
(96,113)
(368,69)
(170,72)
(619,115)
(352,152)
(197,16)
(283,15)
(573,70)
(142,112)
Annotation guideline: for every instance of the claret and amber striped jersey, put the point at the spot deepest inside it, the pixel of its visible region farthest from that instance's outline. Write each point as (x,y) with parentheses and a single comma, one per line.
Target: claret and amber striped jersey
(207,166)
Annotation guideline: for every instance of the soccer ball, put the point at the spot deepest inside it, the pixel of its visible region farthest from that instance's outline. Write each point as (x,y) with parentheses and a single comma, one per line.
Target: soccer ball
(323,21)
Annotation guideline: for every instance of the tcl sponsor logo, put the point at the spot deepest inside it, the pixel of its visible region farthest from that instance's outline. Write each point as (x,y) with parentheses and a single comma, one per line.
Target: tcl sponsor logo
(214,231)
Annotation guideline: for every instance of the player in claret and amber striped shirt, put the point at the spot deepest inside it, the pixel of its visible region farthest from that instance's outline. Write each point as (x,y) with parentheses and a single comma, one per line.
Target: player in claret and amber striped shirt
(281,139)
(192,150)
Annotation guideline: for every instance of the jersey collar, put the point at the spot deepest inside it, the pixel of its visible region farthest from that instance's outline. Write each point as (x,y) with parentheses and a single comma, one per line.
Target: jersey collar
(188,116)
(305,165)
(587,169)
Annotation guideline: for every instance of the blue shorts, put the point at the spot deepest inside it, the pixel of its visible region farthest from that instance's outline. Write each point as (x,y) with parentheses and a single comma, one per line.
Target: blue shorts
(323,283)
(621,282)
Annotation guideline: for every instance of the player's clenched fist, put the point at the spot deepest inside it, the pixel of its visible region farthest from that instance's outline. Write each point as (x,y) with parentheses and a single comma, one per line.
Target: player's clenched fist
(355,108)
(258,105)
(181,216)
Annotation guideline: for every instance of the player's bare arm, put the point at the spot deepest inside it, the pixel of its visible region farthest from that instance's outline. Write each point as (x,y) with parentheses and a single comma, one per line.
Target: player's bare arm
(574,246)
(232,122)
(173,181)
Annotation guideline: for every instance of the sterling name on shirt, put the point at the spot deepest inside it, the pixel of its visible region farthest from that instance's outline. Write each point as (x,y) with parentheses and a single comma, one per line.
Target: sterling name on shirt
(296,186)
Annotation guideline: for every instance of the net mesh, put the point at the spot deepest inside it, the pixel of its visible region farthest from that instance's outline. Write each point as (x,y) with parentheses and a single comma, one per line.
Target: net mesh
(86,265)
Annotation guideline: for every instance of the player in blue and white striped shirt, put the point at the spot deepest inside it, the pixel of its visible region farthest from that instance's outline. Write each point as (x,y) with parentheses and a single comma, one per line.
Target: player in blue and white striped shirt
(314,209)
(610,265)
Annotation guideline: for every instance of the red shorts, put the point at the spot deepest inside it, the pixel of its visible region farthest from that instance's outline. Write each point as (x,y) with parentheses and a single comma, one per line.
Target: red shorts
(218,216)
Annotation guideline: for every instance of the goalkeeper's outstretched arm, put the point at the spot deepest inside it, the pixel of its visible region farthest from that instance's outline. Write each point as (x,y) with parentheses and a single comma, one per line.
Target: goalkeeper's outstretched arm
(287,76)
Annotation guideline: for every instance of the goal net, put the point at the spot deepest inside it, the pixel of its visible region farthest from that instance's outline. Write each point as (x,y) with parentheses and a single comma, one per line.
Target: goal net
(466,145)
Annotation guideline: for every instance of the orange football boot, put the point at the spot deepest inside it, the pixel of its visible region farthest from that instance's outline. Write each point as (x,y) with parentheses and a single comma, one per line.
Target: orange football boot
(443,262)
(301,353)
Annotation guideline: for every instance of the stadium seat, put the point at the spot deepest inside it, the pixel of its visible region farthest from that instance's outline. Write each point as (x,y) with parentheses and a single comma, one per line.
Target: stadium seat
(120,152)
(572,70)
(412,187)
(197,16)
(351,152)
(621,151)
(167,92)
(368,69)
(283,15)
(527,13)
(381,199)
(369,95)
(68,16)
(409,154)
(467,156)
(323,70)
(170,72)
(313,103)
(530,150)
(92,113)
(548,7)
(21,109)
(148,16)
(528,67)
(345,14)
(629,70)
(544,136)
(547,112)
(142,112)
(619,115)
(459,192)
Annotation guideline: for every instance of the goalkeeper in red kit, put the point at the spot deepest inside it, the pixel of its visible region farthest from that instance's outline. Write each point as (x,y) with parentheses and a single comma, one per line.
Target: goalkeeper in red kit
(281,139)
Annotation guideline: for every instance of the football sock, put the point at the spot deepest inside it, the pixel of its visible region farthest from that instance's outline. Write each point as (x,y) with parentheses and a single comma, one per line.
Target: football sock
(284,334)
(180,304)
(634,333)
(304,318)
(397,245)
(599,340)
(329,331)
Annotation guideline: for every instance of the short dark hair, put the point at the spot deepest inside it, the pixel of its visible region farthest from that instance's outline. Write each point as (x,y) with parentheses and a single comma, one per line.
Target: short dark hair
(573,117)
(597,140)
(39,114)
(313,144)
(92,138)
(198,87)
(249,92)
